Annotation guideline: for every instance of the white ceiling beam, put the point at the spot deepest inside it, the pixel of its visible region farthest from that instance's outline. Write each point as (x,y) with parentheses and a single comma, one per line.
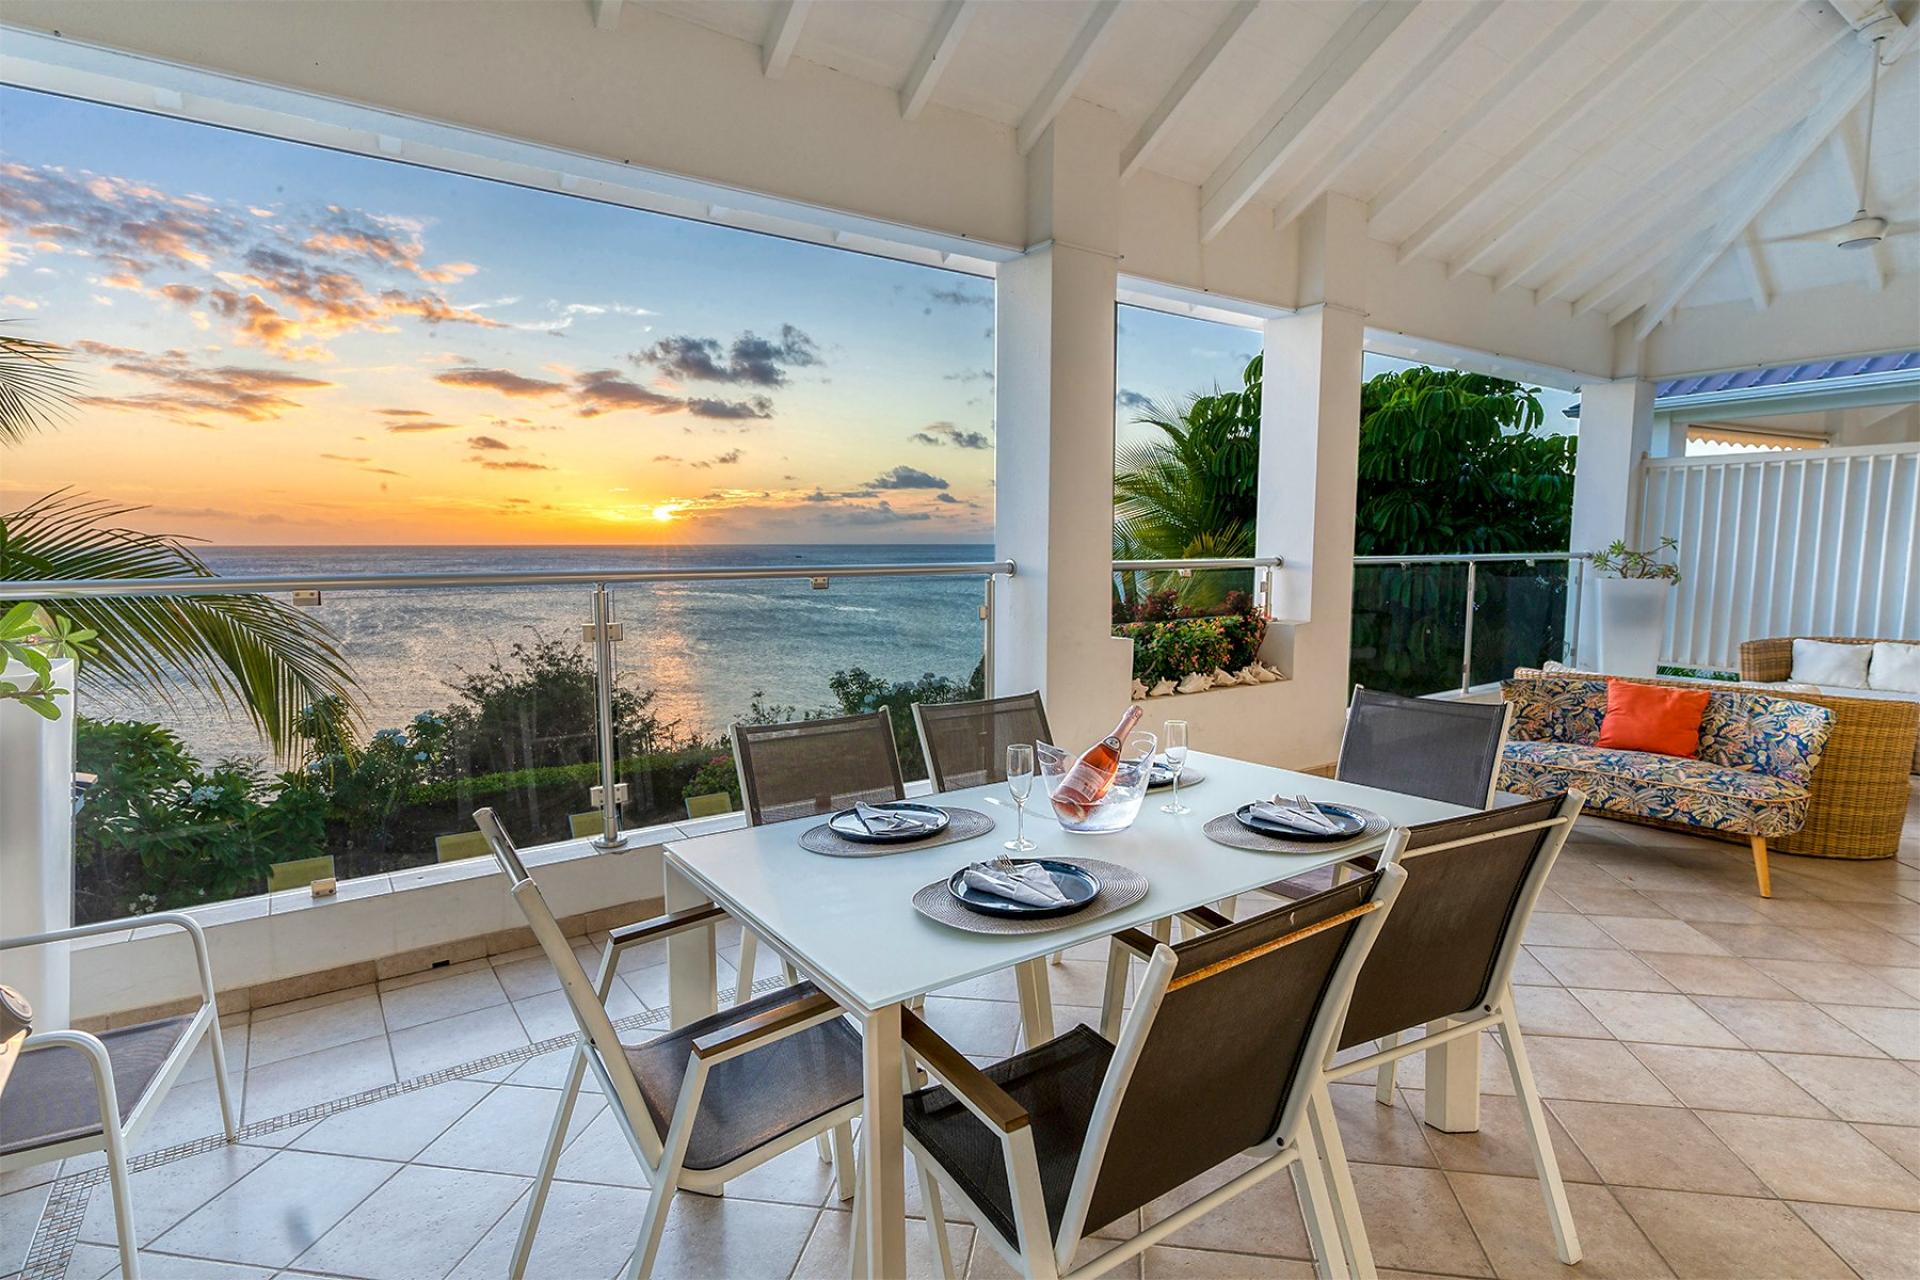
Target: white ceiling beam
(1769,177)
(935,56)
(1852,162)
(1067,76)
(1262,152)
(1583,100)
(1424,160)
(1164,114)
(606,13)
(783,36)
(1344,150)
(1753,263)
(1737,135)
(1624,132)
(1606,290)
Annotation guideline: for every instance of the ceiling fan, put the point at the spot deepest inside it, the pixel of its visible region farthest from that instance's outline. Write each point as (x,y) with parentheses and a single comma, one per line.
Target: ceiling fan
(1864,230)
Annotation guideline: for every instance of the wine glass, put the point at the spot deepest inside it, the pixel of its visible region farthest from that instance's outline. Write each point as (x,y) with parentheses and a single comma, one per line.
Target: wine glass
(1176,753)
(1020,786)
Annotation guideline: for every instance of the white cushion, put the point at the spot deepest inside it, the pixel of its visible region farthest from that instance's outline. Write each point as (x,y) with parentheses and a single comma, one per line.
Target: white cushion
(1842,665)
(1895,667)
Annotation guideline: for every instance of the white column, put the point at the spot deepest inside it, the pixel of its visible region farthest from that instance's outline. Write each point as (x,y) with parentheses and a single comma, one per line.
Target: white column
(1309,451)
(36,847)
(1053,334)
(1616,433)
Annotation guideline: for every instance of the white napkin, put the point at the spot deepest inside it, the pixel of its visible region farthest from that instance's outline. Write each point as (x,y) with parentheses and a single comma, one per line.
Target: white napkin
(881,820)
(1026,882)
(1289,813)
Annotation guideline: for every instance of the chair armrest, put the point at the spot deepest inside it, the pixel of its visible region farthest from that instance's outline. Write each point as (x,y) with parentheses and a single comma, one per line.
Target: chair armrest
(994,1105)
(1139,943)
(663,926)
(1767,660)
(769,1024)
(177,919)
(1206,917)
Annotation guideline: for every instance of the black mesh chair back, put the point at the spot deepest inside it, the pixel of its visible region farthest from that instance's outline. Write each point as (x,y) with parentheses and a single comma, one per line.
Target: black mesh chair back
(966,742)
(1443,750)
(809,767)
(1451,938)
(1223,1061)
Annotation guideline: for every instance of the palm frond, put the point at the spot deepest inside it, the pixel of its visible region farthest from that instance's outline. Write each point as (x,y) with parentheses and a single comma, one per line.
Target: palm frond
(248,652)
(36,386)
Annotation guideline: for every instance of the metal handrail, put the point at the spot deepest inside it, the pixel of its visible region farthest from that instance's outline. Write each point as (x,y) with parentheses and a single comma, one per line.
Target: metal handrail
(1228,562)
(1488,557)
(95,588)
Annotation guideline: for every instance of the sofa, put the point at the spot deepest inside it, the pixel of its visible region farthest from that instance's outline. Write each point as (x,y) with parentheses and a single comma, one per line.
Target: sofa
(1771,662)
(1753,779)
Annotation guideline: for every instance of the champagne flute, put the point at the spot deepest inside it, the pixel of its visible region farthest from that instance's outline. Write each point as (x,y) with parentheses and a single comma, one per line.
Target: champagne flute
(1020,786)
(1176,754)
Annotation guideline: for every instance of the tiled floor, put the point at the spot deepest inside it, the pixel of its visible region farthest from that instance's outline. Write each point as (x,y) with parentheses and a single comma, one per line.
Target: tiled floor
(1735,1085)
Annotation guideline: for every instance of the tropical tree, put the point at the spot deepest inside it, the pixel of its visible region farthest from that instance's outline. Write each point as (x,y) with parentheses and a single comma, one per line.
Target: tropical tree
(250,653)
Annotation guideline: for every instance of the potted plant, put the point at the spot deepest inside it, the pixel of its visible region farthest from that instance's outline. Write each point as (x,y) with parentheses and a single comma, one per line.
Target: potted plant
(1635,587)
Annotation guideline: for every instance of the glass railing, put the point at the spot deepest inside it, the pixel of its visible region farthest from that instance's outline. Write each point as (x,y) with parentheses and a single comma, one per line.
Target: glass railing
(492,689)
(1432,624)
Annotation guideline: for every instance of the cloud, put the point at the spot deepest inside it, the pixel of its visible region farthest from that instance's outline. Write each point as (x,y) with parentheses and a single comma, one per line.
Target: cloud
(503,381)
(403,413)
(883,512)
(727,459)
(946,497)
(1128,398)
(945,433)
(751,360)
(904,477)
(186,392)
(487,442)
(962,295)
(511,464)
(410,427)
(606,391)
(728,410)
(969,375)
(344,457)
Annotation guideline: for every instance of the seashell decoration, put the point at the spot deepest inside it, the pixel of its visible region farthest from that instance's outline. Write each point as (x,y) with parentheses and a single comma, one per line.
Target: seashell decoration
(1194,683)
(1162,689)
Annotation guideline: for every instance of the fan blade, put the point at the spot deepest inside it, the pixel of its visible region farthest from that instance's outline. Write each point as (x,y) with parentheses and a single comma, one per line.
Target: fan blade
(1825,235)
(1904,229)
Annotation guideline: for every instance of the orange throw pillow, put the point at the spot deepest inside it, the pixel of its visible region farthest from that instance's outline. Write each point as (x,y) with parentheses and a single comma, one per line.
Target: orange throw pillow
(1645,717)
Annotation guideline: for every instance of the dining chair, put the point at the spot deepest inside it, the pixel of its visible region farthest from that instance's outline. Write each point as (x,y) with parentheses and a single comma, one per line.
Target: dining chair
(1438,748)
(705,1102)
(73,1092)
(1218,1057)
(804,768)
(965,743)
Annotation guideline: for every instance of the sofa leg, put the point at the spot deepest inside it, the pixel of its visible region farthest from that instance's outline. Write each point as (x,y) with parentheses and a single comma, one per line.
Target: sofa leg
(1760,866)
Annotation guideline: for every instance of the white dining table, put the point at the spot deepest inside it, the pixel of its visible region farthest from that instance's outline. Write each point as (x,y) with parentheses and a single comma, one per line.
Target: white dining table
(849,925)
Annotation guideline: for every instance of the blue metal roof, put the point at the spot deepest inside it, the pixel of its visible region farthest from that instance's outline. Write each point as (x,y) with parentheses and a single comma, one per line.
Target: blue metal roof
(1784,374)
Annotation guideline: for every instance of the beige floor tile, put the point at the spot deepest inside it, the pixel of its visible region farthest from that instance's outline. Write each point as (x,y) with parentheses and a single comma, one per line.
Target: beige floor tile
(1806,913)
(1863,946)
(1605,898)
(1530,972)
(975,1026)
(322,1025)
(1164,1263)
(1413,1220)
(1784,1026)
(1820,1160)
(1901,979)
(599,1153)
(399,1128)
(1655,1147)
(1708,1237)
(1841,982)
(506,1132)
(101,1262)
(1592,1071)
(274,1214)
(164,1195)
(19,1215)
(1547,929)
(1555,1011)
(233,1031)
(1500,1146)
(1674,937)
(1725,908)
(525,973)
(1864,1089)
(1265,1220)
(827,1255)
(1374,1134)
(286,1086)
(1880,1244)
(550,1014)
(419,998)
(1901,918)
(1656,1018)
(987,1264)
(1715,976)
(1764,941)
(1729,1080)
(420,1222)
(462,1038)
(706,1238)
(586,1233)
(1607,969)
(1895,1032)
(1510,1218)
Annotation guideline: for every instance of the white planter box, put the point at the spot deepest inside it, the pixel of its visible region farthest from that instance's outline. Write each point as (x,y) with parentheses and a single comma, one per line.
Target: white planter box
(1633,624)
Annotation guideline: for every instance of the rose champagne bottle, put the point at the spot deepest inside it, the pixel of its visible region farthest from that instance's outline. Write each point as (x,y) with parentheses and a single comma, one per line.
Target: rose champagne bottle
(1093,772)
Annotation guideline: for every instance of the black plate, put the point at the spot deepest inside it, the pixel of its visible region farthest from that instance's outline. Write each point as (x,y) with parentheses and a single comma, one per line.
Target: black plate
(1079,885)
(846,824)
(1162,777)
(1351,824)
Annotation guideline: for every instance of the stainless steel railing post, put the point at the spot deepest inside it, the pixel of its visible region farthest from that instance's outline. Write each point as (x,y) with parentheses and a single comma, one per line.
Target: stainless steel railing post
(986,639)
(1466,644)
(609,840)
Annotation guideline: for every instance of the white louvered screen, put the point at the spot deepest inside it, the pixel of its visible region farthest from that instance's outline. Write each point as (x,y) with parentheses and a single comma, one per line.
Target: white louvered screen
(1822,542)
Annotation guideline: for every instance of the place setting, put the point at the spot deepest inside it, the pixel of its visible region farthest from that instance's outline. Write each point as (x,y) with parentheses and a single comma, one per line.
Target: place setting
(894,826)
(1012,895)
(1293,824)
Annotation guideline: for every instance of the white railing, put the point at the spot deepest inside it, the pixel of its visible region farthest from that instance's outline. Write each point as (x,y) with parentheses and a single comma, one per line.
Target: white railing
(1821,542)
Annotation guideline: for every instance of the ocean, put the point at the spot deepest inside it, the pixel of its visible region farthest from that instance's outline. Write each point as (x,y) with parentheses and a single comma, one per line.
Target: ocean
(705,648)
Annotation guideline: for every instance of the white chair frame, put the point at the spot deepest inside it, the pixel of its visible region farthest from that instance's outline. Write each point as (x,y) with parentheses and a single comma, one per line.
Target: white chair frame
(660,1155)
(116,1136)
(1293,1144)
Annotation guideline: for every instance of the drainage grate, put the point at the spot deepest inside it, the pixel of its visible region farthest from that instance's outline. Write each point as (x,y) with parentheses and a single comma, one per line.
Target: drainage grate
(59,1229)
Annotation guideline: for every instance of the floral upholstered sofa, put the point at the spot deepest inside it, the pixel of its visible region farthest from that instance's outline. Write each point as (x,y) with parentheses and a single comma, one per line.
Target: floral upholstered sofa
(1753,776)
